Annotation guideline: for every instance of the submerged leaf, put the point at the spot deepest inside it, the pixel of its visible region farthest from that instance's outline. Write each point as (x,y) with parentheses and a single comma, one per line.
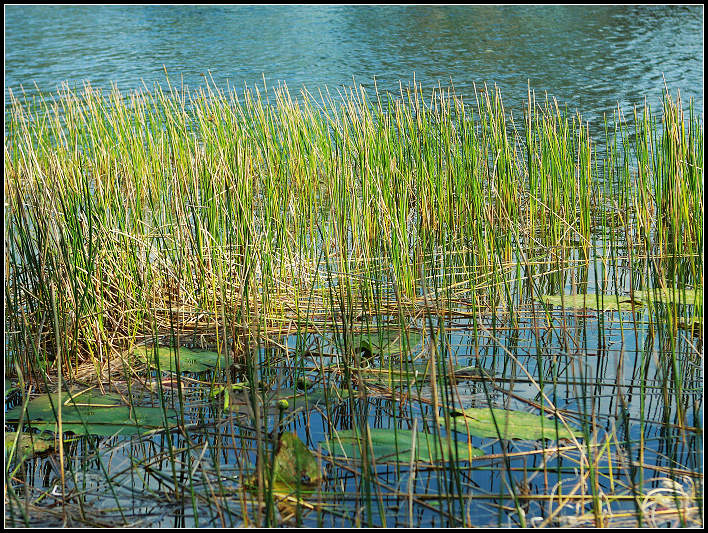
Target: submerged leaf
(506,424)
(390,446)
(413,373)
(91,413)
(387,342)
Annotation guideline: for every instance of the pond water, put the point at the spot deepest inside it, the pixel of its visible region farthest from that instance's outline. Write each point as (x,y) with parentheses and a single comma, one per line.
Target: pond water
(590,58)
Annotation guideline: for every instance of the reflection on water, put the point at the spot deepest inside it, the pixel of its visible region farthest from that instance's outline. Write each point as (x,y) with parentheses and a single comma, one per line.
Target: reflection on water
(588,57)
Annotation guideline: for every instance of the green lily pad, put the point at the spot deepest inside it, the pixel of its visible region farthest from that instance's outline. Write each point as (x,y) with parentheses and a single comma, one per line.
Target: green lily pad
(391,446)
(669,296)
(293,468)
(694,326)
(612,302)
(91,413)
(189,360)
(505,424)
(28,444)
(294,463)
(598,302)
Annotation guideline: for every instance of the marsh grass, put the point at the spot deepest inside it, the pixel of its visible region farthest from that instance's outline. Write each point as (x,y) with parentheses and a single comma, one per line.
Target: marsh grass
(278,230)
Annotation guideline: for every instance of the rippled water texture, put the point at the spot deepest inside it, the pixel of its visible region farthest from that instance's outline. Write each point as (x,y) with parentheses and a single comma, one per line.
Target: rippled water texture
(588,57)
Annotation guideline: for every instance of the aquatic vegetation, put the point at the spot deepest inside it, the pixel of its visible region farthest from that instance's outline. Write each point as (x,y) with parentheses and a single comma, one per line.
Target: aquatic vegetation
(91,413)
(25,445)
(386,342)
(294,464)
(399,445)
(507,424)
(169,359)
(217,293)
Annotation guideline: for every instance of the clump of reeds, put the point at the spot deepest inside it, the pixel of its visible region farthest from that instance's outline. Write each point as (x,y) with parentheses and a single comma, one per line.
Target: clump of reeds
(130,204)
(237,220)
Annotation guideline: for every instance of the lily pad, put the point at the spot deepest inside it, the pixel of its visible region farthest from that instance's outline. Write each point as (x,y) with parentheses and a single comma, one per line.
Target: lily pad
(189,360)
(28,444)
(506,424)
(598,302)
(294,463)
(669,296)
(91,413)
(391,446)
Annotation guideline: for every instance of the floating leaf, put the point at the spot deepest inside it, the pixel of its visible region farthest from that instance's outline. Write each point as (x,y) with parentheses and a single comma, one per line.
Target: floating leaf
(189,360)
(294,470)
(506,424)
(91,413)
(611,302)
(392,446)
(28,444)
(599,302)
(294,463)
(668,295)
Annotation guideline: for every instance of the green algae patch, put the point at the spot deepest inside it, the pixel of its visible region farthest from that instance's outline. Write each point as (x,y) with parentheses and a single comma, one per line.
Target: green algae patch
(92,413)
(183,359)
(506,424)
(397,446)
